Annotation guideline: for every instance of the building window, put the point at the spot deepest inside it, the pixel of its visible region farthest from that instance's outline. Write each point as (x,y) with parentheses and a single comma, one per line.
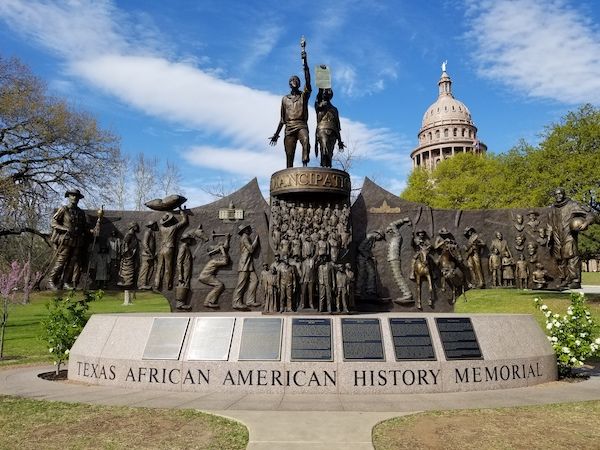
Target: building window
(437,134)
(445,132)
(454,132)
(470,132)
(463,132)
(430,136)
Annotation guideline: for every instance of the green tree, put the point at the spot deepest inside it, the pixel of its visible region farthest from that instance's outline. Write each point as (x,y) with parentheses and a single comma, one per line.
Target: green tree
(419,187)
(65,322)
(46,146)
(568,155)
(465,181)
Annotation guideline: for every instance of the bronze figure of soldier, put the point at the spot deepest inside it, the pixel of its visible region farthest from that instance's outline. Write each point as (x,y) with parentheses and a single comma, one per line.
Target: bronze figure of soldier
(70,233)
(294,115)
(565,220)
(328,127)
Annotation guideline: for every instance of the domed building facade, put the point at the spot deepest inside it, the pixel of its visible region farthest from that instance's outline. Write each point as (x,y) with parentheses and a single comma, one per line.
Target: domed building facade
(447,129)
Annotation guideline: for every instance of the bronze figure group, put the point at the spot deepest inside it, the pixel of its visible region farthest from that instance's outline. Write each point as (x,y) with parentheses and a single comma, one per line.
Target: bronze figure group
(294,117)
(309,242)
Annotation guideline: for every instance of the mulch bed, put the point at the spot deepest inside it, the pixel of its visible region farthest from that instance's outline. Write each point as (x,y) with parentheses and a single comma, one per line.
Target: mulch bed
(53,376)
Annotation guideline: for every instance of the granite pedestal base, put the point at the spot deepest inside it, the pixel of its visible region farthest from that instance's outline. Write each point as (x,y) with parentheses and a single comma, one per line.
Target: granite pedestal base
(357,354)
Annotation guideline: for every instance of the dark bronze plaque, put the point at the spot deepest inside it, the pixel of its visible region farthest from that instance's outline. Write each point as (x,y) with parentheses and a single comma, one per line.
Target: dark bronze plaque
(412,341)
(166,338)
(361,339)
(458,338)
(311,340)
(261,339)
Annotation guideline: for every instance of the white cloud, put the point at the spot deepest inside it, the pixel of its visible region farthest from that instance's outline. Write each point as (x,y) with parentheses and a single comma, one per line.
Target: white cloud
(98,46)
(196,196)
(181,93)
(71,29)
(345,76)
(261,45)
(543,49)
(395,185)
(238,161)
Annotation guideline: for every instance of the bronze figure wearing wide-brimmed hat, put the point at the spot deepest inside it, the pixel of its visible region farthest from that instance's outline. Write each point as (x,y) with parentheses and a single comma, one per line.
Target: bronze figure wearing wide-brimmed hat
(70,232)
(169,227)
(76,192)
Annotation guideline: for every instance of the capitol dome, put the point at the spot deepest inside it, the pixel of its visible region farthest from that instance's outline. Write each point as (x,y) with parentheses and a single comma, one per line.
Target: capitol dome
(447,128)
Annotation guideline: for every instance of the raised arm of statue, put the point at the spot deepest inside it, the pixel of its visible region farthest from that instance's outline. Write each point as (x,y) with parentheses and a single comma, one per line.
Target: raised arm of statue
(307,85)
(184,219)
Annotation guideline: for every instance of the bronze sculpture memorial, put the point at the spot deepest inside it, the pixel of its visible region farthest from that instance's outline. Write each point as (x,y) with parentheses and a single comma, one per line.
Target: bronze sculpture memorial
(335,285)
(294,116)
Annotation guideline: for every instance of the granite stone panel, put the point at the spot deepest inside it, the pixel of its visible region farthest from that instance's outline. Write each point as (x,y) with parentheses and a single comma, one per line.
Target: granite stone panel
(128,337)
(210,339)
(261,339)
(508,342)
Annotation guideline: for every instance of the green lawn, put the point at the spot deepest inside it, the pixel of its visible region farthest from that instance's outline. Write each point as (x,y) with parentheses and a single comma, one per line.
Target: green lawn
(557,426)
(22,343)
(29,422)
(515,301)
(34,424)
(590,278)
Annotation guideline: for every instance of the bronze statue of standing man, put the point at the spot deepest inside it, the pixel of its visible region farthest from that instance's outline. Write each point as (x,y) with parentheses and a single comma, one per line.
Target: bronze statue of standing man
(70,233)
(566,219)
(294,115)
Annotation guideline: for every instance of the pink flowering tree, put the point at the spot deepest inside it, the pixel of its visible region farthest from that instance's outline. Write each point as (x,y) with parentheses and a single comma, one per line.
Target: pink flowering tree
(18,278)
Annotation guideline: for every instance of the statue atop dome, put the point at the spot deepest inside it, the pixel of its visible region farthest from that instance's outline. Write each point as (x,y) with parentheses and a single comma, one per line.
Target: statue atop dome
(444,64)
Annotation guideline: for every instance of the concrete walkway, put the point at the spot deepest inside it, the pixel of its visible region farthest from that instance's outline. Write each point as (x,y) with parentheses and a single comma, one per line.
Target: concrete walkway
(588,289)
(293,421)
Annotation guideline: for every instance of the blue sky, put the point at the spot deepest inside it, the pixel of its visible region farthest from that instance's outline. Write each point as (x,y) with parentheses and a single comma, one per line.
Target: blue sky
(200,82)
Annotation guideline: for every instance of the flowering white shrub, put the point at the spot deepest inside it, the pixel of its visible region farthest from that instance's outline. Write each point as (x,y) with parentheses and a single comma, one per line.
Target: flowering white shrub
(571,335)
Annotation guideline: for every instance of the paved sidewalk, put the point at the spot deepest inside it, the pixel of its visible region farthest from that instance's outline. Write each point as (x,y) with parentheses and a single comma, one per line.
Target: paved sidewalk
(293,421)
(588,289)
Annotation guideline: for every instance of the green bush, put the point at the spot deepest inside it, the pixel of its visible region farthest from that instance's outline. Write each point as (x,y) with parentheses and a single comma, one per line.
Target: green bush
(65,321)
(571,335)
